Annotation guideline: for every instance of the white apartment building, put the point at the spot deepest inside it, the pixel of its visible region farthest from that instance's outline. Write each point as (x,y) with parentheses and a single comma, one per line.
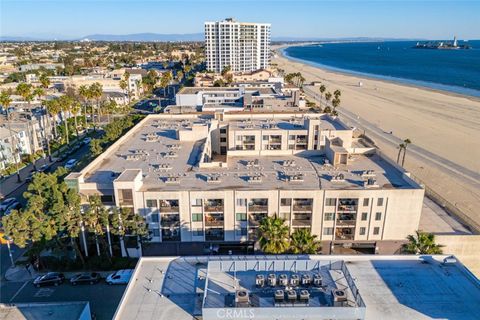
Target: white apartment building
(242,46)
(211,178)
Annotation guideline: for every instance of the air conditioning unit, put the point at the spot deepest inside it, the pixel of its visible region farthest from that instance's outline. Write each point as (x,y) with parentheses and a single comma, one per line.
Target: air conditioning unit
(450,260)
(291,295)
(306,280)
(279,296)
(259,280)
(317,280)
(272,280)
(339,295)
(283,280)
(304,296)
(294,280)
(241,296)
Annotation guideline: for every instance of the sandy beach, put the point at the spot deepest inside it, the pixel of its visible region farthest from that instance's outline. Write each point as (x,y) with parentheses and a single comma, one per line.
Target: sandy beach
(445,124)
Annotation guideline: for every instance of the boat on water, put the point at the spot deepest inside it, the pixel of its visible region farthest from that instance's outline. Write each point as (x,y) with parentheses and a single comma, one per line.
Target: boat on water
(442,45)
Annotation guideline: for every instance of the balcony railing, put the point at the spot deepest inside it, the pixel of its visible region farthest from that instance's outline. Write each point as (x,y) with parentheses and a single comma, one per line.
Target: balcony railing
(344,236)
(257,207)
(213,208)
(170,223)
(302,207)
(347,208)
(212,222)
(301,222)
(349,222)
(169,209)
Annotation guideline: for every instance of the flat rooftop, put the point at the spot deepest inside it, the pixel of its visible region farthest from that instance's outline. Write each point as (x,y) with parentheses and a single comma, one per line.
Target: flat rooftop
(49,310)
(391,287)
(258,90)
(164,156)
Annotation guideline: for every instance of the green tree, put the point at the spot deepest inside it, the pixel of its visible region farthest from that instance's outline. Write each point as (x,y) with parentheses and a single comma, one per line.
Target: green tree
(273,235)
(44,81)
(303,242)
(124,223)
(337,93)
(422,243)
(96,147)
(322,90)
(406,142)
(53,108)
(328,96)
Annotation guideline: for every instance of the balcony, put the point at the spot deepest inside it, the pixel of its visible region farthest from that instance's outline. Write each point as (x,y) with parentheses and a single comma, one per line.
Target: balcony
(257,208)
(345,234)
(170,234)
(305,222)
(213,208)
(347,208)
(214,234)
(169,209)
(214,221)
(351,222)
(170,222)
(302,207)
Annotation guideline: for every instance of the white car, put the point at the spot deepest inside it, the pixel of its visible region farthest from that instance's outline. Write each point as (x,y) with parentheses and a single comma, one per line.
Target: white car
(87,140)
(119,277)
(7,203)
(70,164)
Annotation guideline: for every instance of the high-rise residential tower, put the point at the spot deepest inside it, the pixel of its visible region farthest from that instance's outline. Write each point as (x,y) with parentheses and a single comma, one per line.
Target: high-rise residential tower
(242,46)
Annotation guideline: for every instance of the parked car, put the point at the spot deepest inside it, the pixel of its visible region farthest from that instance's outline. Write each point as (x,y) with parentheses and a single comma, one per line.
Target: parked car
(49,279)
(87,140)
(29,178)
(7,203)
(70,164)
(120,277)
(43,168)
(85,278)
(14,206)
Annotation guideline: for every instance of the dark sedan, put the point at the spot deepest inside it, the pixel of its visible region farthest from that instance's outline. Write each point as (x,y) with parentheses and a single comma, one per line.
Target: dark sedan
(49,279)
(85,278)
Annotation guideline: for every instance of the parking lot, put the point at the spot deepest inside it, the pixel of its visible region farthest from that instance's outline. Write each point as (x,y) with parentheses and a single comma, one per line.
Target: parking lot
(103,298)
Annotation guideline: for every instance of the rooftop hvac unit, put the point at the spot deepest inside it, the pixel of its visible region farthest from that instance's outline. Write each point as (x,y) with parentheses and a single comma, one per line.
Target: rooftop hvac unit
(317,280)
(259,280)
(304,295)
(306,280)
(272,280)
(339,297)
(279,296)
(241,296)
(450,260)
(295,280)
(283,280)
(291,295)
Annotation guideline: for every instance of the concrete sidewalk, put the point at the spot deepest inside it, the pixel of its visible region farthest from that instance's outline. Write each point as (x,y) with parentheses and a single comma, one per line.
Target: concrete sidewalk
(20,274)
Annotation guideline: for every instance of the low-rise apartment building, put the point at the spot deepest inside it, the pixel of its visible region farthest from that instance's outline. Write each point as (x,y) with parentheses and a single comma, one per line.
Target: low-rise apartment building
(213,177)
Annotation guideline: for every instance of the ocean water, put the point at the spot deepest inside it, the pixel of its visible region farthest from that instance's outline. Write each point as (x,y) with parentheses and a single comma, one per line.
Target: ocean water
(451,70)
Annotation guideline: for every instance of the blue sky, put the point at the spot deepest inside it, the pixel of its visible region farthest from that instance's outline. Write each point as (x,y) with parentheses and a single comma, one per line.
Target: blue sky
(313,18)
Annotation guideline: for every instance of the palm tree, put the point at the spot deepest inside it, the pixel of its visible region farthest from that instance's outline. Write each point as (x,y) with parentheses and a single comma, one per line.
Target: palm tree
(401,146)
(84,93)
(303,242)
(273,235)
(5,101)
(44,81)
(422,243)
(322,90)
(406,143)
(65,103)
(124,86)
(53,108)
(337,93)
(75,109)
(328,96)
(96,92)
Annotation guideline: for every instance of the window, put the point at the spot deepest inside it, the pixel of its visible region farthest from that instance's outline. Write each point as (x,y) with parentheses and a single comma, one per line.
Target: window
(197,232)
(330,201)
(241,202)
(285,202)
(156,232)
(376,230)
(106,199)
(291,137)
(265,138)
(362,231)
(241,216)
(285,216)
(329,216)
(378,216)
(154,217)
(151,203)
(223,139)
(328,231)
(223,130)
(197,202)
(197,217)
(126,196)
(364,216)
(366,201)
(380,202)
